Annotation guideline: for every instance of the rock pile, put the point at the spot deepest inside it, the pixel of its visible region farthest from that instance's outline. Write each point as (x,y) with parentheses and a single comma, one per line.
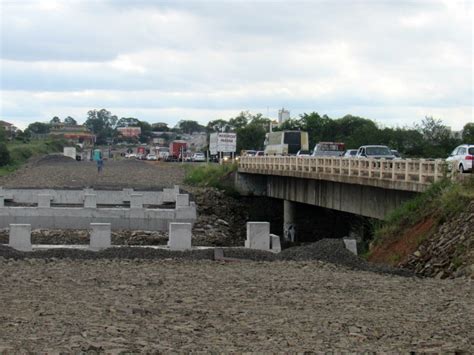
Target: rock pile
(449,252)
(221,218)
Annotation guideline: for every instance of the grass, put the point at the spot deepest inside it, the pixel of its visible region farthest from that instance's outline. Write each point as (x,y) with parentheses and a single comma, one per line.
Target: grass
(440,201)
(211,175)
(21,152)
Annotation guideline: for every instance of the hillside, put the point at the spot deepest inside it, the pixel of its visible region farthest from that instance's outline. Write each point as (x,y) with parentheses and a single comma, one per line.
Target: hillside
(433,235)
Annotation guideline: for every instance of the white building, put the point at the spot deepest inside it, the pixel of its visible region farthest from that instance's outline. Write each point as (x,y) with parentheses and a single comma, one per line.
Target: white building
(283,115)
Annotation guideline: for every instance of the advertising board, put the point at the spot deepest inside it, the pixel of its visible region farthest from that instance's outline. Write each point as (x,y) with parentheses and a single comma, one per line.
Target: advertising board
(222,142)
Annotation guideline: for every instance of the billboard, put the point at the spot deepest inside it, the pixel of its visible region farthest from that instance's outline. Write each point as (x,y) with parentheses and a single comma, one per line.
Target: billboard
(222,142)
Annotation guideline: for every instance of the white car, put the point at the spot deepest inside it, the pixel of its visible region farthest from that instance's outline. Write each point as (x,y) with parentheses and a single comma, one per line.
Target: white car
(303,153)
(350,153)
(151,157)
(200,157)
(375,152)
(462,157)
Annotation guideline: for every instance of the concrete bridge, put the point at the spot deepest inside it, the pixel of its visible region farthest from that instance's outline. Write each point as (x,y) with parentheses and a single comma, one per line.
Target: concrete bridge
(366,187)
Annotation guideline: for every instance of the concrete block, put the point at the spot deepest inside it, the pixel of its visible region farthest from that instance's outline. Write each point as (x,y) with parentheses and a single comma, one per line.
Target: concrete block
(351,245)
(182,200)
(258,235)
(136,201)
(2,201)
(179,236)
(20,237)
(100,236)
(90,201)
(275,243)
(44,200)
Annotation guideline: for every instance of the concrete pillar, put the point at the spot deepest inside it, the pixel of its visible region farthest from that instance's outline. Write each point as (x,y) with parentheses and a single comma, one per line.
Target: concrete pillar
(351,245)
(182,200)
(179,236)
(275,243)
(258,235)
(20,237)
(90,201)
(100,236)
(44,200)
(2,201)
(289,226)
(136,201)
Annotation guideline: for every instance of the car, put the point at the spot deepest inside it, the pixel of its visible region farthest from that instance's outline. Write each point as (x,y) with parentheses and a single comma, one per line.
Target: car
(199,157)
(260,153)
(396,153)
(303,153)
(375,152)
(249,153)
(350,153)
(332,149)
(151,157)
(462,157)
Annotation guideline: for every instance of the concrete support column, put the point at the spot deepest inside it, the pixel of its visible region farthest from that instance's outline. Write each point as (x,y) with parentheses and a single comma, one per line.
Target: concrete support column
(258,235)
(2,201)
(20,237)
(289,226)
(44,200)
(90,201)
(179,236)
(182,200)
(100,236)
(136,201)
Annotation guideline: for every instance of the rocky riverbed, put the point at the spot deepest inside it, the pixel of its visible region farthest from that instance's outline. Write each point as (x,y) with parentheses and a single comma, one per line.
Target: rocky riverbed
(51,305)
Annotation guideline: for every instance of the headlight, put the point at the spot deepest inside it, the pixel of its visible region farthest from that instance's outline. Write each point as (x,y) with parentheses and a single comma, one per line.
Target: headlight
(237,158)
(226,158)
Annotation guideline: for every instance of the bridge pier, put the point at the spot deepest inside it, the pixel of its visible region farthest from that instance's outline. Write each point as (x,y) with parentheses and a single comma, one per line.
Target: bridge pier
(289,225)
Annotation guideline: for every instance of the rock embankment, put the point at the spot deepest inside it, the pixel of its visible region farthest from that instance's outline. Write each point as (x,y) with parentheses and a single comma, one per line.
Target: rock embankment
(448,252)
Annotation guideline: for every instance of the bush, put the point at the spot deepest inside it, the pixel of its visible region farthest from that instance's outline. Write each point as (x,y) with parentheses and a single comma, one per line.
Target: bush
(4,155)
(212,175)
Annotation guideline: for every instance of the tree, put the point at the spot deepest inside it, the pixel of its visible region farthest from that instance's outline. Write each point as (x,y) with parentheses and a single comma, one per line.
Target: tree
(218,125)
(160,127)
(146,131)
(438,139)
(128,122)
(468,133)
(4,153)
(55,119)
(188,126)
(69,121)
(38,128)
(102,123)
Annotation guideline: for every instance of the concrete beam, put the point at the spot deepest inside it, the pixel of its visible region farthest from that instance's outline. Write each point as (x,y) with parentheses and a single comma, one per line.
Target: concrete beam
(20,237)
(44,200)
(100,236)
(180,236)
(90,201)
(136,201)
(258,235)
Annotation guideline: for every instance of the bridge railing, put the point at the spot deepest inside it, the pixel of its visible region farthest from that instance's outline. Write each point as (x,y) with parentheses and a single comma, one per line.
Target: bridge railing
(422,171)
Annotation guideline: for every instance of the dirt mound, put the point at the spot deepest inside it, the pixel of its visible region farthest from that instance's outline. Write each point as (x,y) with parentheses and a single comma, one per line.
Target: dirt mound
(334,251)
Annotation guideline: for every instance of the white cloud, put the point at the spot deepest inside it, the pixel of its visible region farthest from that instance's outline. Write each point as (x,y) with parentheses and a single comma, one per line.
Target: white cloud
(391,62)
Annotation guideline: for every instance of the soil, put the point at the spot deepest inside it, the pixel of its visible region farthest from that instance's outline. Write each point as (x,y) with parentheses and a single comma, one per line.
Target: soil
(393,253)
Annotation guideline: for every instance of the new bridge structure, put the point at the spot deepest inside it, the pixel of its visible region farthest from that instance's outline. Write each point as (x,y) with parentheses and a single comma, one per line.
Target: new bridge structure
(366,187)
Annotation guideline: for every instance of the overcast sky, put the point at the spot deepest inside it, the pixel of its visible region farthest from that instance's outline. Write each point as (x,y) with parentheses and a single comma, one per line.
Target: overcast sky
(391,61)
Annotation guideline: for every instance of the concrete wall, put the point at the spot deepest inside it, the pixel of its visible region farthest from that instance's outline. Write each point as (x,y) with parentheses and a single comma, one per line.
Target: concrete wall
(104,197)
(369,201)
(80,218)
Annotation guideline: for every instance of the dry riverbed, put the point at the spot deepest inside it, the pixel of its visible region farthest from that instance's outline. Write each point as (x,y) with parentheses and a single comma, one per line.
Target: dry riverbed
(138,305)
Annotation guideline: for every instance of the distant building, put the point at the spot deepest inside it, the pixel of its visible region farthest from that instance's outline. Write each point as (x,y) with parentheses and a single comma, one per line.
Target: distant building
(9,128)
(129,132)
(74,133)
(283,115)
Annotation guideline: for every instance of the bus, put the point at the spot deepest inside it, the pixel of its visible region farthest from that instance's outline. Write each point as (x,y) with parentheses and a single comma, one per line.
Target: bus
(285,142)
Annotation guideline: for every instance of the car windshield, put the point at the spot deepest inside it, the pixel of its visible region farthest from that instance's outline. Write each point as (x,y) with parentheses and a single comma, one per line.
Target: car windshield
(353,152)
(378,151)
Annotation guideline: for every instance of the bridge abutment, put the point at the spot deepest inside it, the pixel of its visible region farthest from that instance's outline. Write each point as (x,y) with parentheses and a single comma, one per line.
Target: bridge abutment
(289,224)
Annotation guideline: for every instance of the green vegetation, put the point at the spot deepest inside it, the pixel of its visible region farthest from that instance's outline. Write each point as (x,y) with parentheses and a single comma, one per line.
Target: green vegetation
(18,152)
(211,175)
(439,202)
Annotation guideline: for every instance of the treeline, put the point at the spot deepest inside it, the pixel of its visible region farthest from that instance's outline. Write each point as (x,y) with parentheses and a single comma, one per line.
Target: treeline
(429,138)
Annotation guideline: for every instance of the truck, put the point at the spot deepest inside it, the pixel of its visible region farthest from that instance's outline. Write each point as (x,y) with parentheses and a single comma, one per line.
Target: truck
(285,142)
(177,149)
